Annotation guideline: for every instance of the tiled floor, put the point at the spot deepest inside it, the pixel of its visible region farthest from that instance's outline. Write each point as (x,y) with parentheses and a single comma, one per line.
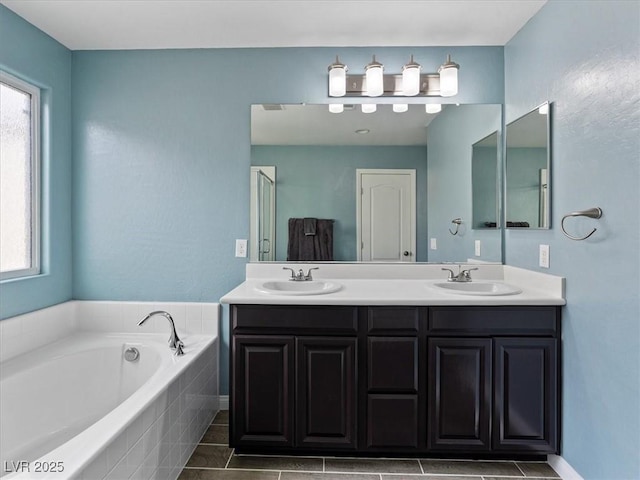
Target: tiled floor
(214,460)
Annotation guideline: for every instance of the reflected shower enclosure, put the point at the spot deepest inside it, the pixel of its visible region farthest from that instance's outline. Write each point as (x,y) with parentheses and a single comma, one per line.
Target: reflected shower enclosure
(263,214)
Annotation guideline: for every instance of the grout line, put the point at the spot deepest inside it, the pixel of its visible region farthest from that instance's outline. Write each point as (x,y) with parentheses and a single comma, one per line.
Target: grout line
(324,466)
(421,467)
(280,475)
(518,467)
(229,459)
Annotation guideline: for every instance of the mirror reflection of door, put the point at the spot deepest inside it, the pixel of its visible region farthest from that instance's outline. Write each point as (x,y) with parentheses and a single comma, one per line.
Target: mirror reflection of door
(386,218)
(263,208)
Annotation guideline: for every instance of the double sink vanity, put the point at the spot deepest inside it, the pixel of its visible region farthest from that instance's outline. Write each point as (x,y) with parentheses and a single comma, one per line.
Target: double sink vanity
(385,359)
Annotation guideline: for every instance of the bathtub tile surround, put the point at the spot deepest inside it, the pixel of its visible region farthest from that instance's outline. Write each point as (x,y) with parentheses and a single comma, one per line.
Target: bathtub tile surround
(32,330)
(154,434)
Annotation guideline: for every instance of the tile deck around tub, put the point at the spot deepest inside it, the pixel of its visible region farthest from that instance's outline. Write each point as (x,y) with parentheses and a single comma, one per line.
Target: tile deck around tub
(214,460)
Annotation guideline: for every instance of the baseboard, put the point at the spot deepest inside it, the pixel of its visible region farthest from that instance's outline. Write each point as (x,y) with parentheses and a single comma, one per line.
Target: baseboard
(224,402)
(561,466)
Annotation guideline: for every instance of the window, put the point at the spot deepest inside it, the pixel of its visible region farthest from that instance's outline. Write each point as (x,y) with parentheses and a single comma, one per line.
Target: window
(19,178)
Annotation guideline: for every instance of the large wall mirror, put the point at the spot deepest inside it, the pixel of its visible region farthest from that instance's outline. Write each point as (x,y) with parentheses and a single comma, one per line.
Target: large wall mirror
(411,166)
(528,170)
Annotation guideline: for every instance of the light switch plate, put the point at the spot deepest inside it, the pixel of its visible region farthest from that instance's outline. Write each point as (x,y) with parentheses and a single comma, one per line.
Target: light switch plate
(544,256)
(433,244)
(478,248)
(241,248)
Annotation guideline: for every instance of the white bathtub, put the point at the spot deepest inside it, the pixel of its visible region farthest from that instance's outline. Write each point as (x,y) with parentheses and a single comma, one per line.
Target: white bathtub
(75,408)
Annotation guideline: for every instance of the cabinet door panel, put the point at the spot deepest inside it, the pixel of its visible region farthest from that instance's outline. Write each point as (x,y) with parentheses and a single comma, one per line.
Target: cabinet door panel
(392,364)
(459,394)
(392,421)
(326,392)
(526,395)
(262,408)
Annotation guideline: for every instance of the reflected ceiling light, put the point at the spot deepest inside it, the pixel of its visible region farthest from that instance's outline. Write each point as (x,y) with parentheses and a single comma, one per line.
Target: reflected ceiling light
(336,107)
(375,78)
(433,107)
(368,107)
(411,82)
(543,109)
(363,131)
(337,79)
(448,78)
(400,107)
(411,78)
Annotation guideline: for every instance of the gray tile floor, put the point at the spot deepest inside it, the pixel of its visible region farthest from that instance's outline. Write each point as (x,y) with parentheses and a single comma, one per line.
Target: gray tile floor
(214,460)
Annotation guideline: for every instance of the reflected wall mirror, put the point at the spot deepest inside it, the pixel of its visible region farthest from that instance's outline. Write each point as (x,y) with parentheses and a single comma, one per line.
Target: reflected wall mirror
(528,170)
(484,182)
(315,156)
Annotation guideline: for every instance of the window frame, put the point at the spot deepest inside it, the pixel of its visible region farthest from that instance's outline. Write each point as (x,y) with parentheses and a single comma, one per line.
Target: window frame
(36,225)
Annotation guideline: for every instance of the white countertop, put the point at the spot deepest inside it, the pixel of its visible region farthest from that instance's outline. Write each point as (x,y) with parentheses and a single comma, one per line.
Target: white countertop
(392,284)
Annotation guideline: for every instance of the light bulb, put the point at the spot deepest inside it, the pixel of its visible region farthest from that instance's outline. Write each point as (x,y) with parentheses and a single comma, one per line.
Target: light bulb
(400,107)
(336,107)
(448,78)
(433,107)
(368,107)
(411,78)
(375,78)
(337,79)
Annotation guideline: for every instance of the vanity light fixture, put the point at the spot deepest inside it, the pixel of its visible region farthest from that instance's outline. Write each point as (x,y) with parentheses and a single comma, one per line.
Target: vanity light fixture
(400,107)
(337,79)
(411,78)
(336,107)
(368,107)
(448,78)
(375,78)
(433,107)
(411,82)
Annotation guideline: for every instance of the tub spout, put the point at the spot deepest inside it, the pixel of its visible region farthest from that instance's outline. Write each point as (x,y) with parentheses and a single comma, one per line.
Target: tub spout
(175,343)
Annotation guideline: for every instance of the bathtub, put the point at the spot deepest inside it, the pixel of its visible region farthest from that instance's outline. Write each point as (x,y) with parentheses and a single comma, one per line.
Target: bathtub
(77,409)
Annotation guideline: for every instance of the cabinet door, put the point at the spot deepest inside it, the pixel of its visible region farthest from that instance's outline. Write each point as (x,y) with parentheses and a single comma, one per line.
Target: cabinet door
(326,392)
(262,394)
(526,395)
(459,387)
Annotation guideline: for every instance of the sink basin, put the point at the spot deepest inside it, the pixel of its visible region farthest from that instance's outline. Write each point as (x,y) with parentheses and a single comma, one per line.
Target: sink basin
(477,288)
(287,287)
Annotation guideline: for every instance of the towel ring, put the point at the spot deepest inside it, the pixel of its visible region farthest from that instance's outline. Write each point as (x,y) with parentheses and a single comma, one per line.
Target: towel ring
(591,213)
(457,222)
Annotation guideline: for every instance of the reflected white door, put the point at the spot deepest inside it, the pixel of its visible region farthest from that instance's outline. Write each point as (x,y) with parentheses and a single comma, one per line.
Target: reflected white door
(386,215)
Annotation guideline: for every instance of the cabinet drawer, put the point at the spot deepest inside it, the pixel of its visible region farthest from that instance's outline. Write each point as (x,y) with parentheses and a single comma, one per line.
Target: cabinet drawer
(393,320)
(295,319)
(481,321)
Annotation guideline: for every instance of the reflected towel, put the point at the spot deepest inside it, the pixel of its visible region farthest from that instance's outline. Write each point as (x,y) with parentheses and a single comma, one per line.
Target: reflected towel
(309,226)
(303,247)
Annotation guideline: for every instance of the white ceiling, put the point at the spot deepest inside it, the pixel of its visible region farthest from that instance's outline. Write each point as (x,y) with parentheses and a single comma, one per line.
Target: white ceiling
(154,24)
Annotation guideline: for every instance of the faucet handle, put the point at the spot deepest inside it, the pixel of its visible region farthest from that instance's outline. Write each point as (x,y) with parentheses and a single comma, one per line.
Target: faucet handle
(451,274)
(308,275)
(293,272)
(467,272)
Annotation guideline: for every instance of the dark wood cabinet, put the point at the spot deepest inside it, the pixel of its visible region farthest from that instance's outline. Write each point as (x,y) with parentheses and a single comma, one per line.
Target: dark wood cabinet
(465,380)
(326,392)
(526,394)
(263,390)
(459,402)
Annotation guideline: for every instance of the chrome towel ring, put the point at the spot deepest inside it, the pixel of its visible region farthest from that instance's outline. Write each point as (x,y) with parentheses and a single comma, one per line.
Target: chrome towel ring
(591,213)
(456,222)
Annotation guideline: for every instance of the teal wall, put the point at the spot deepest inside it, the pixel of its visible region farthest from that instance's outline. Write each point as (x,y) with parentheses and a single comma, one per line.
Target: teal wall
(320,181)
(450,137)
(28,53)
(584,57)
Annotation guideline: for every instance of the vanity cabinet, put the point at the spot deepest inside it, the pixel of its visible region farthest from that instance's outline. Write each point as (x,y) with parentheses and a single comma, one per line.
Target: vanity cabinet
(395,379)
(294,377)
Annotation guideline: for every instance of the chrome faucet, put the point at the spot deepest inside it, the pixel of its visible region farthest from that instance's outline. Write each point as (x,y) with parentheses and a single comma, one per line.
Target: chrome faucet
(175,343)
(462,276)
(300,276)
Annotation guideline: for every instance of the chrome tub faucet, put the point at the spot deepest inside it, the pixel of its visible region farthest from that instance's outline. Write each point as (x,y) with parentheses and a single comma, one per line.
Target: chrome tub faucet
(175,343)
